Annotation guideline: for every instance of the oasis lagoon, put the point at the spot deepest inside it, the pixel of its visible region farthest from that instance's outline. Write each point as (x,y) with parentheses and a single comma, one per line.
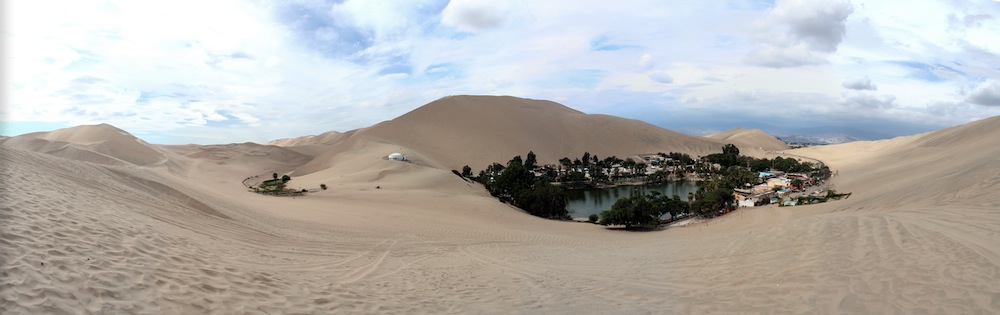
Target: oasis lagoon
(581,203)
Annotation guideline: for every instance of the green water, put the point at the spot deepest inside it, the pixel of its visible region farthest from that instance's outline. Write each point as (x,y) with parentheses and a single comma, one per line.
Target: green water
(582,203)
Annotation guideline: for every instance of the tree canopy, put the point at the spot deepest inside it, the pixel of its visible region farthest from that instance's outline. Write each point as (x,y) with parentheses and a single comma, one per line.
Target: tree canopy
(516,184)
(642,211)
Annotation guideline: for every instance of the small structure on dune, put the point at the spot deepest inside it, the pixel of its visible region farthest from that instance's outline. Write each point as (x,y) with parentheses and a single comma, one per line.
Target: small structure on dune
(397,157)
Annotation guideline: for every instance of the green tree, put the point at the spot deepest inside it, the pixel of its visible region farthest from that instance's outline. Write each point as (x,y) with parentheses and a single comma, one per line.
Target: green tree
(322,186)
(285,178)
(566,162)
(275,175)
(797,183)
(542,199)
(634,211)
(514,178)
(586,159)
(494,169)
(517,160)
(736,177)
(629,164)
(466,171)
(530,160)
(730,149)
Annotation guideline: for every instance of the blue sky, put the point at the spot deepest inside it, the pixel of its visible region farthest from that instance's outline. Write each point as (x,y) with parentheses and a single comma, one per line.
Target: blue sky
(235,71)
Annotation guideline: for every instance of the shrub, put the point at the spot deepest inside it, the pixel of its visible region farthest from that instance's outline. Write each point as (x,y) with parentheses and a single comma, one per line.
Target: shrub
(593,218)
(322,186)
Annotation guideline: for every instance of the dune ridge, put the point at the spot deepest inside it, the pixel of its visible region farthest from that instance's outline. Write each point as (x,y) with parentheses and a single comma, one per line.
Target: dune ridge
(478,130)
(323,138)
(918,234)
(750,138)
(101,143)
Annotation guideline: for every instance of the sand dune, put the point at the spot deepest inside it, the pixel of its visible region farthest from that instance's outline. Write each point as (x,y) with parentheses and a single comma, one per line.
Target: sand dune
(479,130)
(917,236)
(745,138)
(104,142)
(323,138)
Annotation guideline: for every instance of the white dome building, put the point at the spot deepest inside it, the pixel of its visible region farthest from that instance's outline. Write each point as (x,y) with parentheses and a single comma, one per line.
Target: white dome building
(397,157)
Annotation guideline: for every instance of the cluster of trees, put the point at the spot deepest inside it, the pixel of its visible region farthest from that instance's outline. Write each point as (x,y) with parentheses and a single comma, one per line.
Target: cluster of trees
(717,194)
(730,156)
(782,164)
(273,186)
(516,184)
(642,211)
(586,169)
(573,170)
(596,168)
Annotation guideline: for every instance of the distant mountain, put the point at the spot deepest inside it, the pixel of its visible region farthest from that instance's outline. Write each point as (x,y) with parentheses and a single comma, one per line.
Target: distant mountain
(825,134)
(819,139)
(832,135)
(750,138)
(480,130)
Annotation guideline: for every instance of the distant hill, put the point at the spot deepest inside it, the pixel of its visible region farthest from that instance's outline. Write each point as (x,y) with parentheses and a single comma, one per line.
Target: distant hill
(479,130)
(103,143)
(324,138)
(750,138)
(819,139)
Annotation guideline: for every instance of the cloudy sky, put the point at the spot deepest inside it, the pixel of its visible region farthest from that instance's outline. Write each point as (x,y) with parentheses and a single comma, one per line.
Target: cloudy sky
(233,71)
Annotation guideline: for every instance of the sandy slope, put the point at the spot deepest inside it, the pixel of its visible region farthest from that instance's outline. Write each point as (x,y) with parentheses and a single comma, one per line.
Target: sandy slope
(745,138)
(918,236)
(323,138)
(478,130)
(104,144)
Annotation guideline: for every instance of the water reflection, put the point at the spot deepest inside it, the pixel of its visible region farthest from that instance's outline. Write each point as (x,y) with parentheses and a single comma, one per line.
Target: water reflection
(584,202)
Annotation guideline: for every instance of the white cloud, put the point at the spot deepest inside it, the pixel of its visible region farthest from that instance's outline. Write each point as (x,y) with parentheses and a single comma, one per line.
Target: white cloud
(473,15)
(860,83)
(646,62)
(986,94)
(799,32)
(661,77)
(784,57)
(867,100)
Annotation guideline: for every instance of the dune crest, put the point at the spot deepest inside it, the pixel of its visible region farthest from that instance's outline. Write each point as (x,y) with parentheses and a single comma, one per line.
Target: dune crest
(479,130)
(323,138)
(750,138)
(103,143)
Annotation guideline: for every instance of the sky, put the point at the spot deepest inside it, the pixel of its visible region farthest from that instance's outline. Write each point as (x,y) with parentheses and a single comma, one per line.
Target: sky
(229,71)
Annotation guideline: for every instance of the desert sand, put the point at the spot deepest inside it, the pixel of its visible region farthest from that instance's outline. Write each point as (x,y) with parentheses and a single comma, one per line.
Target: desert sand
(98,221)
(750,139)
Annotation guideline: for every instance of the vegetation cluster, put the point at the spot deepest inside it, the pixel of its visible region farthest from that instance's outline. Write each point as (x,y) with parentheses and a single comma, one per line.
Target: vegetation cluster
(517,184)
(275,186)
(529,186)
(642,211)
